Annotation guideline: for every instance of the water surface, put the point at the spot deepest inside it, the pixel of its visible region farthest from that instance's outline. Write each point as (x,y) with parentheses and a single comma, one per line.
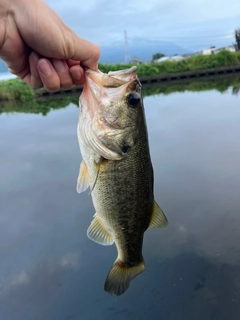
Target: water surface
(50,270)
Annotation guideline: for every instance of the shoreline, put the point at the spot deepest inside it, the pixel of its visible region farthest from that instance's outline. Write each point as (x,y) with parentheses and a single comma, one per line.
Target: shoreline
(161,79)
(46,103)
(197,67)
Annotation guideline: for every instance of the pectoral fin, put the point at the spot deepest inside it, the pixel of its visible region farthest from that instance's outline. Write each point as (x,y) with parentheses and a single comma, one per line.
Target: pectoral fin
(96,232)
(159,219)
(98,169)
(83,179)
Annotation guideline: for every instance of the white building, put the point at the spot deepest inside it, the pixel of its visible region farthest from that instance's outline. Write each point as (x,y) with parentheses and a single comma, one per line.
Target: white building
(217,50)
(176,58)
(207,51)
(173,58)
(162,59)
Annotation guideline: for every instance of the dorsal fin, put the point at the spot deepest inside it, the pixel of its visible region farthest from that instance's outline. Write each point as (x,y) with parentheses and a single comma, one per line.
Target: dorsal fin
(158,219)
(96,232)
(83,178)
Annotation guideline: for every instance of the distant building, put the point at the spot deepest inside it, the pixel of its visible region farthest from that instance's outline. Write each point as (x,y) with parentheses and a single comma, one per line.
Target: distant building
(206,52)
(136,60)
(162,59)
(176,58)
(188,55)
(216,50)
(172,58)
(229,48)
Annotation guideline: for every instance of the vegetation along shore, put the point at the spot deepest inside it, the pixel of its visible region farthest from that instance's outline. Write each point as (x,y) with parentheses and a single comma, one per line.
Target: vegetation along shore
(15,89)
(45,105)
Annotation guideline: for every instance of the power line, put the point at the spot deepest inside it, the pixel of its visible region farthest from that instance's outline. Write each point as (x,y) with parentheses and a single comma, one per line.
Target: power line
(127,54)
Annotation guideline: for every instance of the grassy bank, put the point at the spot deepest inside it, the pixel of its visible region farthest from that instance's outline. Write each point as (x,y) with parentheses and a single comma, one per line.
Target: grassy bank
(199,62)
(15,89)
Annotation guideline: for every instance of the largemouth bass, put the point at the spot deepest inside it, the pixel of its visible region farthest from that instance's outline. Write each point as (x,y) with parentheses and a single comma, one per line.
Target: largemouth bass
(117,167)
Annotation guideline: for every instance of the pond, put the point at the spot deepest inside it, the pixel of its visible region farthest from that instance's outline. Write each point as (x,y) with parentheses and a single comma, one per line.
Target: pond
(50,270)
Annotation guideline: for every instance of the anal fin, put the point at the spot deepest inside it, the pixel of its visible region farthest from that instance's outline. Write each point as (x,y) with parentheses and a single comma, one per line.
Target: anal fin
(158,220)
(96,232)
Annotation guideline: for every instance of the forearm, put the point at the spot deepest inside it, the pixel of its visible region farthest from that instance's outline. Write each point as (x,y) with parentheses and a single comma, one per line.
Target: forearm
(6,11)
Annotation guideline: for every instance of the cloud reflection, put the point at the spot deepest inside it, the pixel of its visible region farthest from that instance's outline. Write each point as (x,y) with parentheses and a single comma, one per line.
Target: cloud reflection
(20,278)
(71,260)
(46,272)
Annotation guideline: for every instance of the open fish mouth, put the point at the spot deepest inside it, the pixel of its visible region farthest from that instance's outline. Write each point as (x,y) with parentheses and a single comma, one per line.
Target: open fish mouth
(113,79)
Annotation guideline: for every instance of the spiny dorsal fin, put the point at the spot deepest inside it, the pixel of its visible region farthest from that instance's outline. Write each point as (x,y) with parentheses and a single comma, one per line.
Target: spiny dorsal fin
(119,277)
(96,232)
(83,178)
(158,219)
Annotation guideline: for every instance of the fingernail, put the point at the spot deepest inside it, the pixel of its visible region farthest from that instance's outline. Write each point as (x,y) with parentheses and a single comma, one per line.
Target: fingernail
(44,67)
(59,65)
(77,74)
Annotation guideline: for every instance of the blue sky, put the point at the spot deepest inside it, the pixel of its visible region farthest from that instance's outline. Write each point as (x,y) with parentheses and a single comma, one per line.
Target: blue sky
(193,24)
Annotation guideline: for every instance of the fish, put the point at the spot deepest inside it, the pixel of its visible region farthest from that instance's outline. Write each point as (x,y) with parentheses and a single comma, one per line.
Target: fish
(116,166)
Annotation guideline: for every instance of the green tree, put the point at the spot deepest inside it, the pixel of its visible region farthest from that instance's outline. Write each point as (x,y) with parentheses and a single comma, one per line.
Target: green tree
(157,55)
(237,38)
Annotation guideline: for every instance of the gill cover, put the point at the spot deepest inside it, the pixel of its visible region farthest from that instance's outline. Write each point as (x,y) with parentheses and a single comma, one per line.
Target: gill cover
(108,123)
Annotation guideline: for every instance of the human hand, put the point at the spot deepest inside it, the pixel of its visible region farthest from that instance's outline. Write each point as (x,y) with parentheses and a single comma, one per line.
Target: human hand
(40,49)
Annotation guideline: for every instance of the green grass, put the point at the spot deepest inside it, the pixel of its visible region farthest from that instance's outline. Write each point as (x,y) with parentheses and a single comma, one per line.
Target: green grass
(199,62)
(15,89)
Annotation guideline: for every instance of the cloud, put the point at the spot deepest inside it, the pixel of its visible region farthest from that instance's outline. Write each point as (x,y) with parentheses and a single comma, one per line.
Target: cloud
(105,21)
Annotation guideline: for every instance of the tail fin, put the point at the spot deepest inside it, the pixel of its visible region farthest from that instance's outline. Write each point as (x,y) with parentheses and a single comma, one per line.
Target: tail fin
(119,277)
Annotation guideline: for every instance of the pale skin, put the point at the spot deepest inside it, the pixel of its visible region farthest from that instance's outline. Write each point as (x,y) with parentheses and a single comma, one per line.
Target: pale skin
(40,49)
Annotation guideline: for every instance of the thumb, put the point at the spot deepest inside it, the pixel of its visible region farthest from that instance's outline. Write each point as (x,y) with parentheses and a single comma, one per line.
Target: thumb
(84,51)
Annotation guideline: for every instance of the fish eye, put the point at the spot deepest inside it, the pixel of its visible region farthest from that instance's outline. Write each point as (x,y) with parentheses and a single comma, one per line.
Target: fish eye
(125,149)
(133,99)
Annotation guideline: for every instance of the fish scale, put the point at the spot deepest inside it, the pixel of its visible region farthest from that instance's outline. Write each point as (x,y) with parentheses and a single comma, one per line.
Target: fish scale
(117,167)
(117,196)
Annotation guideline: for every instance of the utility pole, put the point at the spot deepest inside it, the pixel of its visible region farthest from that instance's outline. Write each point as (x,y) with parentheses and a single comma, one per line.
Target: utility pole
(127,55)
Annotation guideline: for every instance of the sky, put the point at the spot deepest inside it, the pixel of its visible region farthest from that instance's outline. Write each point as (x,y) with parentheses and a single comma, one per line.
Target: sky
(192,24)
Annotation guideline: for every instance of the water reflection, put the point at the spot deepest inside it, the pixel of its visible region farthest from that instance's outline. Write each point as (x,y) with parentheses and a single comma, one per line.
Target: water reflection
(37,106)
(49,268)
(235,91)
